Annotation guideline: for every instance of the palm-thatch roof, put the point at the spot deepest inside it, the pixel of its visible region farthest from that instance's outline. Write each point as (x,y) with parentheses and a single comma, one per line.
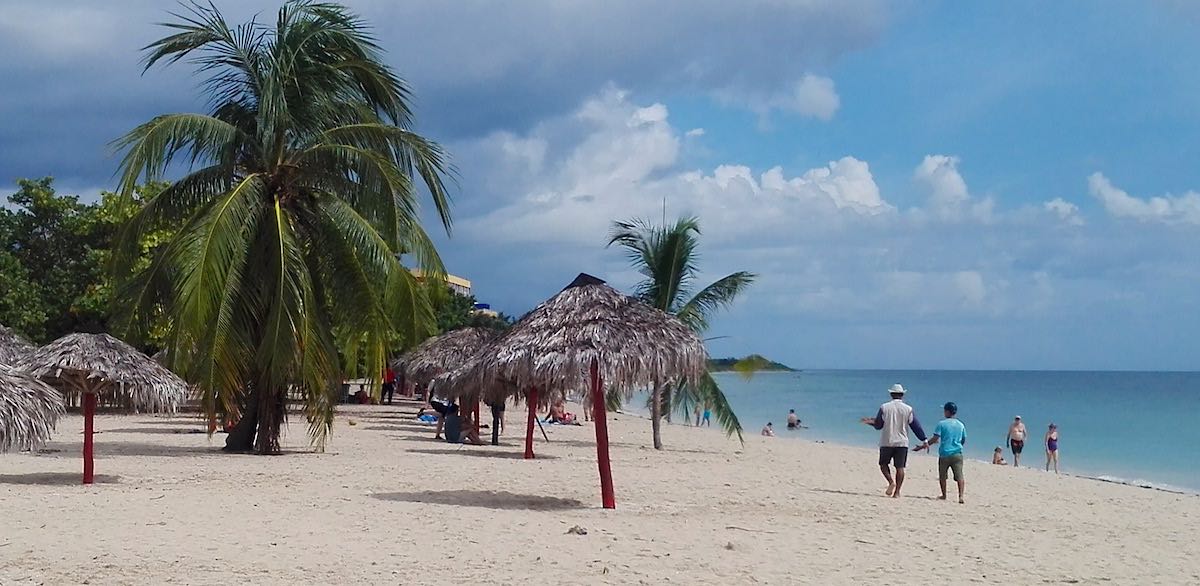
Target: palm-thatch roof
(553,347)
(13,347)
(441,354)
(29,408)
(102,364)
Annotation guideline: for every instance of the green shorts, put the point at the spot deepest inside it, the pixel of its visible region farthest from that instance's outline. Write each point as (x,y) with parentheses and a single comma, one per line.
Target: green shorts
(954,463)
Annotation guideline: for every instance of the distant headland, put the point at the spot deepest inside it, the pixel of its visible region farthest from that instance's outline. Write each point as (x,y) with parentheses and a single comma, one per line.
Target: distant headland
(753,362)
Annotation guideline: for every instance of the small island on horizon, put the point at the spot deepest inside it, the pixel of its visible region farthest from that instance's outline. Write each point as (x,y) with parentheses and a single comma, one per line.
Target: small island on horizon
(753,362)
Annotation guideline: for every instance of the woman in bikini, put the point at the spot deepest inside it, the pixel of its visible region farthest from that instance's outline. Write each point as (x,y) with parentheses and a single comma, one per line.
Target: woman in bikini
(1052,448)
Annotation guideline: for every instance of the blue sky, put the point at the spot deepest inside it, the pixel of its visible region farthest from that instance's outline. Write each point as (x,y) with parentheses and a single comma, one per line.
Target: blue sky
(919,184)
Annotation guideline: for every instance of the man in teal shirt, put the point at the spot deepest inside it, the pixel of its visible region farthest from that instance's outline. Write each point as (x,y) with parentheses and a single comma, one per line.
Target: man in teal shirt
(951,434)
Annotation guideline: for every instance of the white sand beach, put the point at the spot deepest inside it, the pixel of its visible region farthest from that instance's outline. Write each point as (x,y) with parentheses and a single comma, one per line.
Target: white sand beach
(385,504)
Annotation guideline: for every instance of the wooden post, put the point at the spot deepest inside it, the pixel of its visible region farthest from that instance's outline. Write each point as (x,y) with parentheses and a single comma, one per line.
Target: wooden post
(600,413)
(495,426)
(532,399)
(89,412)
(476,416)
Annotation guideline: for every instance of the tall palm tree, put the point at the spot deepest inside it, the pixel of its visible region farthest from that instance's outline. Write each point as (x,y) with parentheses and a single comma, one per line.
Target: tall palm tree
(667,257)
(300,195)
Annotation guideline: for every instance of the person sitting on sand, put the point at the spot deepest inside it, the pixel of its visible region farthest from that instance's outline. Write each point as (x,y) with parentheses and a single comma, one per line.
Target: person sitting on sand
(769,430)
(894,419)
(998,457)
(1052,448)
(1016,439)
(951,434)
(559,414)
(793,422)
(460,428)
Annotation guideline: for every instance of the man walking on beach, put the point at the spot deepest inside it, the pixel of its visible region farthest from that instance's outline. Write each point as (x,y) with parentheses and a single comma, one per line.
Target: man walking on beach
(1016,439)
(952,434)
(894,419)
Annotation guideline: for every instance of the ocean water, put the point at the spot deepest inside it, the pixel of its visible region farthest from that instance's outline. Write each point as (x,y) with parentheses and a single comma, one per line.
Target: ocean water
(1134,427)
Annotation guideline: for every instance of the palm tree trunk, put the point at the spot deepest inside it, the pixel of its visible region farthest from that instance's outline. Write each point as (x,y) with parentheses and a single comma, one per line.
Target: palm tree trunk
(241,437)
(270,420)
(666,398)
(656,415)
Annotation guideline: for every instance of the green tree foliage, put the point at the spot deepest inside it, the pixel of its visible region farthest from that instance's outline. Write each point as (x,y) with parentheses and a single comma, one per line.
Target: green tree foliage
(453,311)
(54,250)
(300,193)
(49,245)
(668,259)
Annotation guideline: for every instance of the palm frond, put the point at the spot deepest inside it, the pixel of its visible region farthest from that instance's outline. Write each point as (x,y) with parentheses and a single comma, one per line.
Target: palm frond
(719,295)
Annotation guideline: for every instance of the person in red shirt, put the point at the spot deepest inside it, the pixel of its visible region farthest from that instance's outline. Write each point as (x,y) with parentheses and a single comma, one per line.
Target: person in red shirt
(389,385)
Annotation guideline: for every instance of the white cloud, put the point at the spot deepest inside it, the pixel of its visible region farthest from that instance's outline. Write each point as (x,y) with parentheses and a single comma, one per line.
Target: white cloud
(949,198)
(828,245)
(1182,209)
(1064,210)
(613,159)
(811,96)
(694,133)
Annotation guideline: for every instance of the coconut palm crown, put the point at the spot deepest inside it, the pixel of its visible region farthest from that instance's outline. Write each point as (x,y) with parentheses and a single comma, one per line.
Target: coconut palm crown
(668,259)
(299,194)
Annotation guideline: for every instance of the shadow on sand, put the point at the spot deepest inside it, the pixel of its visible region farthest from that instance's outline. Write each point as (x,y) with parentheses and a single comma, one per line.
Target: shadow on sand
(484,499)
(870,494)
(56,478)
(482,453)
(156,430)
(108,449)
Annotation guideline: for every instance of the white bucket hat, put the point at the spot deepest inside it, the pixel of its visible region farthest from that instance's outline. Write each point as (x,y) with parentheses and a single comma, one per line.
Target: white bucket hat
(896,388)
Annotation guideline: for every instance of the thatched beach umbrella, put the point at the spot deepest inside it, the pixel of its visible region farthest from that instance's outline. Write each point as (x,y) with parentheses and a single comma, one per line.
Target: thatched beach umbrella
(13,347)
(95,364)
(29,408)
(588,334)
(443,353)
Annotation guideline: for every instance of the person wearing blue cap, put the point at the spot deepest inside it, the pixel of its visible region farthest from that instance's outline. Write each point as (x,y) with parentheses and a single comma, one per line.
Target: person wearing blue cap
(951,434)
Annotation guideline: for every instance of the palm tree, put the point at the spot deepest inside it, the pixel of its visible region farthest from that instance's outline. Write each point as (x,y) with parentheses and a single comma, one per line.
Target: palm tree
(667,257)
(300,195)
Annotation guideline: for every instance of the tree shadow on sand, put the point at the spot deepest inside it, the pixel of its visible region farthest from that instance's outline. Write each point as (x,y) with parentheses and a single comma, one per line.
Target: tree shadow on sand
(484,499)
(56,478)
(481,453)
(869,494)
(108,449)
(195,429)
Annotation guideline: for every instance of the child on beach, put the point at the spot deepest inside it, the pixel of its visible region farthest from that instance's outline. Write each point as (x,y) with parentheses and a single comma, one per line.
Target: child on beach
(768,431)
(707,415)
(998,457)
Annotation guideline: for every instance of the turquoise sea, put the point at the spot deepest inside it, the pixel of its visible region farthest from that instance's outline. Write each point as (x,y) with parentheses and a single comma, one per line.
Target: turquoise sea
(1134,427)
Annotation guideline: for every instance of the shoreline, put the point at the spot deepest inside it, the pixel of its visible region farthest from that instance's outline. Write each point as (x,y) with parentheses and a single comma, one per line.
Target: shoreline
(1099,477)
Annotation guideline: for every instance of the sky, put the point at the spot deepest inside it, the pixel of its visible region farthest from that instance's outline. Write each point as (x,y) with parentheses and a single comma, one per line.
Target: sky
(916,184)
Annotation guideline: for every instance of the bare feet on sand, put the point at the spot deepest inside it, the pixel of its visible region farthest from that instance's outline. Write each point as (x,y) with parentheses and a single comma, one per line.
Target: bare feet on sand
(942,498)
(890,489)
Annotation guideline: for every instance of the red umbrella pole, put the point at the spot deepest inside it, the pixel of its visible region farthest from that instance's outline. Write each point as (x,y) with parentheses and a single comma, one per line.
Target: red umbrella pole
(533,401)
(600,415)
(89,412)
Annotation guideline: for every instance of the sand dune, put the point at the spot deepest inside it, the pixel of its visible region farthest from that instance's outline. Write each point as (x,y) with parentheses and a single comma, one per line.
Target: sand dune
(387,505)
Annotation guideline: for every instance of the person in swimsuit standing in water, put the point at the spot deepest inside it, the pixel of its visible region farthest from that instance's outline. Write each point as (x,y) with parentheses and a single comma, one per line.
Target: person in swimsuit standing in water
(1016,439)
(1052,448)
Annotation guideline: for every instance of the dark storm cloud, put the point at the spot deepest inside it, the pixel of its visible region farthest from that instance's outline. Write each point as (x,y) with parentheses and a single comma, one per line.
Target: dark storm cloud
(73,82)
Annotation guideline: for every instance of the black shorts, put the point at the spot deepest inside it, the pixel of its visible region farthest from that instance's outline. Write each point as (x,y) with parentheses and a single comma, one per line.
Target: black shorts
(1017,446)
(897,456)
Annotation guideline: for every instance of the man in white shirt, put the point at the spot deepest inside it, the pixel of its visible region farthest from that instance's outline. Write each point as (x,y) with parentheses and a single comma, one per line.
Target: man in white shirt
(894,419)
